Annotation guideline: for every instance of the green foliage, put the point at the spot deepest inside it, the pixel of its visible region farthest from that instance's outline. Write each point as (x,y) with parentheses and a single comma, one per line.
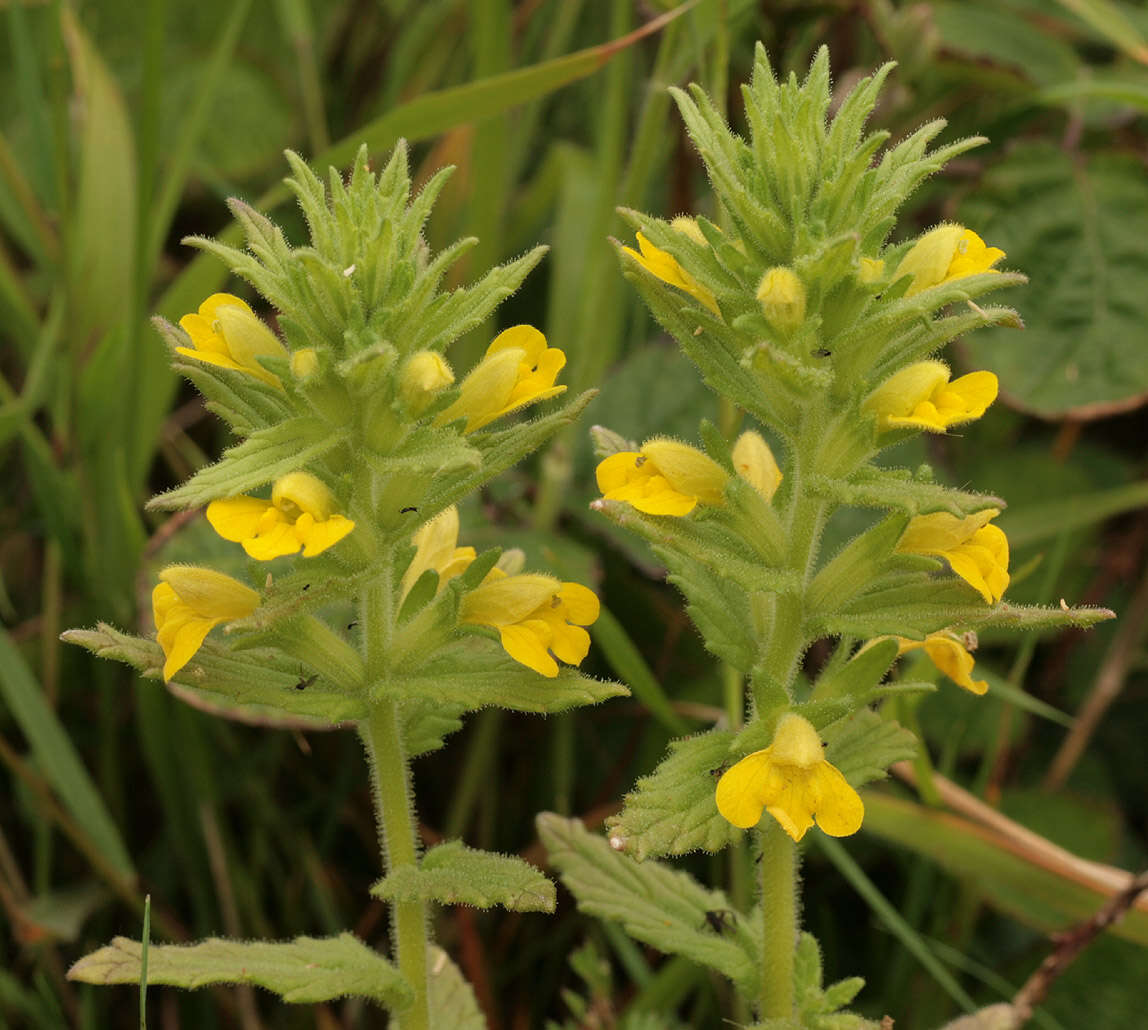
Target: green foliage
(453,874)
(672,811)
(657,905)
(452,1001)
(308,969)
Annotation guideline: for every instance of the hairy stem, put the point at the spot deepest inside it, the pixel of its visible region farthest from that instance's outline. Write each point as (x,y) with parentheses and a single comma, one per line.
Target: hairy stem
(779,920)
(394,811)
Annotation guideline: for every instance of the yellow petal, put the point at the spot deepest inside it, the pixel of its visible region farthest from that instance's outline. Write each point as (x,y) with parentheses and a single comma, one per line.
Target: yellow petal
(483,393)
(237,518)
(738,794)
(318,536)
(781,295)
(504,601)
(950,656)
(580,604)
(527,643)
(688,470)
(837,806)
(211,592)
(664,266)
(796,742)
(274,541)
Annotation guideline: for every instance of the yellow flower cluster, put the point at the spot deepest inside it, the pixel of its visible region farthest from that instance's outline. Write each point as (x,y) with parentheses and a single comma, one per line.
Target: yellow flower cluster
(975,551)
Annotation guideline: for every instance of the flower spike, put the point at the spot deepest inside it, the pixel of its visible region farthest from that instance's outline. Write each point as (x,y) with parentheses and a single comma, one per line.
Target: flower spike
(187,603)
(300,515)
(793,782)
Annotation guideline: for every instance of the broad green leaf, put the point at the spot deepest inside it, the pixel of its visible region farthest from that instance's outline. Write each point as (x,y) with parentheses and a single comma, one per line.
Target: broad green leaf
(1076,227)
(305,970)
(56,757)
(656,904)
(672,811)
(1043,888)
(992,31)
(262,457)
(453,874)
(468,676)
(452,1001)
(248,686)
(864,745)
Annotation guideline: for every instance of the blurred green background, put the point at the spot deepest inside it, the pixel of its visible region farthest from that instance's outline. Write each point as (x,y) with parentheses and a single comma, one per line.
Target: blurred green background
(124,126)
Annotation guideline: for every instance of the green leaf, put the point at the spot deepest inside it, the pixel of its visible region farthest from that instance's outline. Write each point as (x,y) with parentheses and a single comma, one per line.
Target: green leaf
(656,904)
(262,457)
(249,685)
(1076,226)
(452,1001)
(467,676)
(453,874)
(426,725)
(886,488)
(861,674)
(57,758)
(864,745)
(305,970)
(672,811)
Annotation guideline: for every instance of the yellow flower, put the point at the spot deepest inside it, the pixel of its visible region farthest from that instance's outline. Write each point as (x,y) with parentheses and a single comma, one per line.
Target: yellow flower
(976,551)
(537,617)
(755,462)
(948,653)
(187,603)
(663,478)
(436,547)
(946,253)
(518,369)
(922,397)
(424,375)
(792,781)
(300,514)
(664,266)
(226,332)
(782,298)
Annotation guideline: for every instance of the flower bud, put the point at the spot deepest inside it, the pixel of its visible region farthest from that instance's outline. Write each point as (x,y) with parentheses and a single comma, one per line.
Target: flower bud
(304,363)
(755,462)
(424,375)
(782,298)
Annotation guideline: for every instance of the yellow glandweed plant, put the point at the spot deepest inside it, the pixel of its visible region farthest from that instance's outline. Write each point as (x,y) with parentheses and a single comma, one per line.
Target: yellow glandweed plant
(799,311)
(354,446)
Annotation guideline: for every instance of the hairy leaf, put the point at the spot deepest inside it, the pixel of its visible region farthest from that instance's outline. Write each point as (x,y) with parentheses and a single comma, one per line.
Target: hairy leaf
(307,969)
(672,811)
(452,1001)
(656,904)
(864,745)
(453,874)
